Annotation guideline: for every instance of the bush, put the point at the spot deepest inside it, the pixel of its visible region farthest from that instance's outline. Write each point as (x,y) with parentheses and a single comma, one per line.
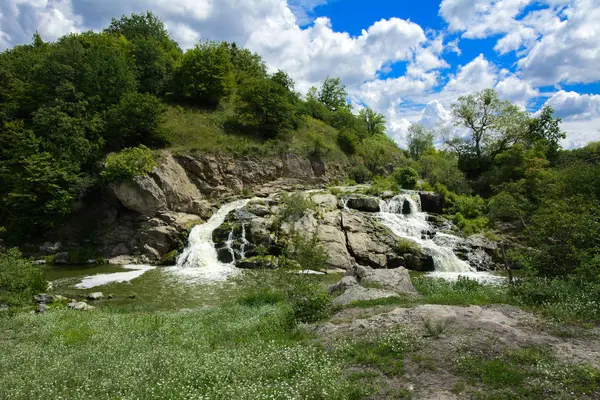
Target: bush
(407,177)
(269,105)
(136,119)
(380,185)
(380,154)
(19,279)
(128,163)
(205,74)
(360,174)
(348,142)
(294,206)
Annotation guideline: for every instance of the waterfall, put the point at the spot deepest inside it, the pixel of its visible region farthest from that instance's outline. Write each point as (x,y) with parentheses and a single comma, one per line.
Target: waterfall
(199,259)
(403,215)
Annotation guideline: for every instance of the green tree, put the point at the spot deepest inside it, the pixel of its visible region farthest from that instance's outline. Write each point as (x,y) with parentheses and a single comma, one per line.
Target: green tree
(373,121)
(154,52)
(407,177)
(246,64)
(420,140)
(546,129)
(269,105)
(136,119)
(380,154)
(205,74)
(333,94)
(494,125)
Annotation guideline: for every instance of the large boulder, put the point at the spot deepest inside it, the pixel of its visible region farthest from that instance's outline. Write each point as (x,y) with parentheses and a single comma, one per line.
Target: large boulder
(325,201)
(432,202)
(43,298)
(359,293)
(396,280)
(334,241)
(141,194)
(367,204)
(80,306)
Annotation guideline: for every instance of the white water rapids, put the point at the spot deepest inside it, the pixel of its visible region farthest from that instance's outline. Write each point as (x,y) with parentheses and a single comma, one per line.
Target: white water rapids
(199,260)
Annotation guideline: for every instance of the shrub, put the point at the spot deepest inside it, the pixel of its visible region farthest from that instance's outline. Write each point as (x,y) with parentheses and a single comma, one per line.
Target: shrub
(19,279)
(307,253)
(348,142)
(136,119)
(360,174)
(128,163)
(407,177)
(380,185)
(294,206)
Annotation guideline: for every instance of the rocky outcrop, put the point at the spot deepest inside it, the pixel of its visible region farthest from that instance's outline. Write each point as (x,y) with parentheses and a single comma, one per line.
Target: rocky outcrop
(367,204)
(431,202)
(397,279)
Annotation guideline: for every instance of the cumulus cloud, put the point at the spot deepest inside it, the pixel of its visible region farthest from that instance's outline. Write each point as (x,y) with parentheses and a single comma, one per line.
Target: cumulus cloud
(477,75)
(571,52)
(516,90)
(434,115)
(575,106)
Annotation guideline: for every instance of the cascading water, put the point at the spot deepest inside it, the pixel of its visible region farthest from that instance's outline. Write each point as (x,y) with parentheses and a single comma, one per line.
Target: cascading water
(403,215)
(199,260)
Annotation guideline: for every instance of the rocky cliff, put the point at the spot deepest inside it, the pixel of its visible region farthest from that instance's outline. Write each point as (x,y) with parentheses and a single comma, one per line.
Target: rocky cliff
(150,215)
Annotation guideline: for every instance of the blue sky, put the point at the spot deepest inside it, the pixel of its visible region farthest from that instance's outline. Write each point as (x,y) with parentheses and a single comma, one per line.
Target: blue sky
(409,60)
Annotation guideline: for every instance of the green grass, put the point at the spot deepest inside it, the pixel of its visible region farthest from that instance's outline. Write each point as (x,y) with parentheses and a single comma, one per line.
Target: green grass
(206,131)
(527,373)
(229,352)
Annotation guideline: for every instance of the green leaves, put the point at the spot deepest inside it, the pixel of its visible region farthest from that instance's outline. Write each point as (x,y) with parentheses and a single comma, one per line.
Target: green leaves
(128,164)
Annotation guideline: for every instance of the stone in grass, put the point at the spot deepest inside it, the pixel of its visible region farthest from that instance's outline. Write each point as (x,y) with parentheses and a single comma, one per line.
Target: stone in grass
(95,296)
(41,308)
(80,306)
(359,293)
(43,298)
(60,299)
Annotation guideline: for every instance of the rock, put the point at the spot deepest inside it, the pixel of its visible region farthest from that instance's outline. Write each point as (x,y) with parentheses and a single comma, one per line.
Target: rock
(132,296)
(179,192)
(359,293)
(80,306)
(39,262)
(224,255)
(111,296)
(95,296)
(343,285)
(432,202)
(43,298)
(260,210)
(50,248)
(419,262)
(41,308)
(161,238)
(334,241)
(406,208)
(326,201)
(365,250)
(150,253)
(141,194)
(367,204)
(4,307)
(396,280)
(57,298)
(61,258)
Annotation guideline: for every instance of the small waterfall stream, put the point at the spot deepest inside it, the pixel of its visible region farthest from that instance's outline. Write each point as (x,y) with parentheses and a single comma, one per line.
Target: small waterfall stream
(199,260)
(403,215)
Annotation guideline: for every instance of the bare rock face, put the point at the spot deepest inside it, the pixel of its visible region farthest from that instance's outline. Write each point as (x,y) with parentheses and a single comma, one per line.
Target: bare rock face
(141,194)
(433,203)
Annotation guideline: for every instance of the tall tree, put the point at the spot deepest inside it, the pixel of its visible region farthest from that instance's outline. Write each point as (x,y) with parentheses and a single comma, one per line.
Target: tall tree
(420,139)
(494,125)
(154,51)
(333,94)
(373,121)
(546,129)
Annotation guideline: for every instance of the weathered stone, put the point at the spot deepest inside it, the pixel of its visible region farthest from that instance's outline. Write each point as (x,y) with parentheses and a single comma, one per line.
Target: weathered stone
(224,255)
(161,238)
(334,241)
(432,202)
(325,201)
(61,258)
(41,308)
(419,262)
(141,194)
(259,210)
(359,293)
(396,280)
(266,262)
(80,306)
(95,296)
(57,298)
(366,251)
(43,298)
(367,204)
(345,283)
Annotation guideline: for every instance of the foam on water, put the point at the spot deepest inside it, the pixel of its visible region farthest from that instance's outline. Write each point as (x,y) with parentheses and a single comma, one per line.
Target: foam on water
(118,277)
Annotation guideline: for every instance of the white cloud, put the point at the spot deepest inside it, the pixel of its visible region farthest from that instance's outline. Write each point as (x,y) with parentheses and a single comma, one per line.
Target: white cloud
(435,115)
(575,106)
(571,52)
(516,90)
(477,75)
(19,19)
